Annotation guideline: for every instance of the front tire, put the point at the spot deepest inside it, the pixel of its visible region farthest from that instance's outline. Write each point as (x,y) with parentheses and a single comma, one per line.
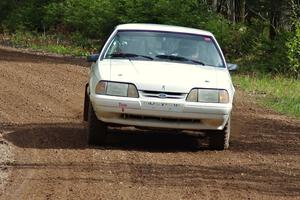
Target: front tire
(86,104)
(219,140)
(97,130)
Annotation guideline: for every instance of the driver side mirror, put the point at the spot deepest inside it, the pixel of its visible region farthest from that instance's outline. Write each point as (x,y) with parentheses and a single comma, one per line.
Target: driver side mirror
(93,58)
(232,67)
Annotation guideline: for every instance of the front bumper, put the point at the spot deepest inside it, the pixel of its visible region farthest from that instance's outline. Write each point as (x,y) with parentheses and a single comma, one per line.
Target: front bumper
(160,113)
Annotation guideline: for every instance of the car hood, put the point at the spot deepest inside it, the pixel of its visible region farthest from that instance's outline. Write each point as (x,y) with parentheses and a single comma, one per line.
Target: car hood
(164,76)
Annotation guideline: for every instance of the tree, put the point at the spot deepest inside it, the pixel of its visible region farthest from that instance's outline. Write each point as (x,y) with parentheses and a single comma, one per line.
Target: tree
(274,17)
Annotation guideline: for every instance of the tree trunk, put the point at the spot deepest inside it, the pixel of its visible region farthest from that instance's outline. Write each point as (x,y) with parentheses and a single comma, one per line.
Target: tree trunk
(220,4)
(233,14)
(240,10)
(275,14)
(214,5)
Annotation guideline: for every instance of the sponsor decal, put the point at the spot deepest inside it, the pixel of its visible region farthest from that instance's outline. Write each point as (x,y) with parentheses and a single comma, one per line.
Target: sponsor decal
(207,39)
(123,106)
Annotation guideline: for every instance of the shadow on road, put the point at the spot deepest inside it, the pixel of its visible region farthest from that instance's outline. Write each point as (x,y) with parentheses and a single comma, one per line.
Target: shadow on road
(271,138)
(74,136)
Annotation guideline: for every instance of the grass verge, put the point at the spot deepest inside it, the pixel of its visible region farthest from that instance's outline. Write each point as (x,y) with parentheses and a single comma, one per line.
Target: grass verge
(276,92)
(48,43)
(59,49)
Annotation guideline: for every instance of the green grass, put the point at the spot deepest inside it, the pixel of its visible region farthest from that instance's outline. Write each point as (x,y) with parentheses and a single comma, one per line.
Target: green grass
(49,43)
(60,49)
(276,92)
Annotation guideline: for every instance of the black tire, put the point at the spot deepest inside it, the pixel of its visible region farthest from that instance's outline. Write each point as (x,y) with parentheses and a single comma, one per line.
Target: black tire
(86,104)
(97,130)
(219,140)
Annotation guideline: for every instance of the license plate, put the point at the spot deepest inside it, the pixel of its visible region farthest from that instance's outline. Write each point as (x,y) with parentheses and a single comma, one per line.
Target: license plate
(171,107)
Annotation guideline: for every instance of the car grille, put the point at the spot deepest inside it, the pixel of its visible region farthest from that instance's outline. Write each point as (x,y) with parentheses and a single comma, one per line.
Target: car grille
(163,95)
(166,119)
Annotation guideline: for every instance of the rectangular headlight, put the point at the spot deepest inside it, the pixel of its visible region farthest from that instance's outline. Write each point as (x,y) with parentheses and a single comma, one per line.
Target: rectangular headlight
(116,89)
(208,96)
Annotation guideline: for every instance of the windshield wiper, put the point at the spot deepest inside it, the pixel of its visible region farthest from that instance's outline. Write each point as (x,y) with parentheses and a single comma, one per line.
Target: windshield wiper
(128,55)
(179,58)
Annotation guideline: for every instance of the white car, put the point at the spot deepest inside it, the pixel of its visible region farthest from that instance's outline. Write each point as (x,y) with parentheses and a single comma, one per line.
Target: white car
(159,76)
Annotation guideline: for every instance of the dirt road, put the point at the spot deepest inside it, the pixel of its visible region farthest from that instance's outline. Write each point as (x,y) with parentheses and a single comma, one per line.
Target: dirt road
(44,153)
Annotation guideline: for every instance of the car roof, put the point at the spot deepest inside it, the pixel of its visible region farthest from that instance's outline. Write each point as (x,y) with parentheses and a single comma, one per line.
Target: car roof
(159,27)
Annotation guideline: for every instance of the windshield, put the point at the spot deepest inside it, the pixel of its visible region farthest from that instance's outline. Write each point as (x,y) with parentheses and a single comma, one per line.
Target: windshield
(164,46)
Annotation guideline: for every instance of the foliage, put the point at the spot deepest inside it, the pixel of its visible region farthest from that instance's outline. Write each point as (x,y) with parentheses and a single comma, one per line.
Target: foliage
(272,91)
(49,43)
(294,52)
(23,15)
(93,18)
(293,43)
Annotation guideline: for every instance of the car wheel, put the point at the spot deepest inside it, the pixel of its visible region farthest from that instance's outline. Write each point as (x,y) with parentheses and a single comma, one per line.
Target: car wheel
(97,130)
(219,140)
(86,104)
